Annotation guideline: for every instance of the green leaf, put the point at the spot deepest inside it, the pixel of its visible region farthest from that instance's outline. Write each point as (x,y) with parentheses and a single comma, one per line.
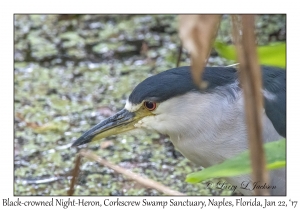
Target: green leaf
(273,54)
(240,164)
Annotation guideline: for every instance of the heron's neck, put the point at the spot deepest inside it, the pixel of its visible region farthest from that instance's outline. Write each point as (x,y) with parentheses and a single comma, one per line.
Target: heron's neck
(213,138)
(216,131)
(206,126)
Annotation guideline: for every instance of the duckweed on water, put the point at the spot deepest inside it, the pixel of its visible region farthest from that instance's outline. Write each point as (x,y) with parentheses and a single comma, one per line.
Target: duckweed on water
(67,68)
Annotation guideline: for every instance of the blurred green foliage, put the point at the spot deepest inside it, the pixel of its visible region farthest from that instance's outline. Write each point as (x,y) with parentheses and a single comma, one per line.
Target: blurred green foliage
(273,54)
(275,153)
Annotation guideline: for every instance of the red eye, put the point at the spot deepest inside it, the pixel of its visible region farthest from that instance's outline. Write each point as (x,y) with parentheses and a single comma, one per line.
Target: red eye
(150,105)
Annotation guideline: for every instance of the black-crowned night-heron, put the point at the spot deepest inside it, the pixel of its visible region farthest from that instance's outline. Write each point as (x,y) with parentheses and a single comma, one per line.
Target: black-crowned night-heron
(206,126)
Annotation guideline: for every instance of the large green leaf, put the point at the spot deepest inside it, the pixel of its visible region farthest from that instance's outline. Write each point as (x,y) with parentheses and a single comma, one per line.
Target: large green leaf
(273,54)
(240,164)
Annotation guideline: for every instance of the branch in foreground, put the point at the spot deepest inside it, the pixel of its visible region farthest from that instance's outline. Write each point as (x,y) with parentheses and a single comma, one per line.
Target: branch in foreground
(251,81)
(141,180)
(74,175)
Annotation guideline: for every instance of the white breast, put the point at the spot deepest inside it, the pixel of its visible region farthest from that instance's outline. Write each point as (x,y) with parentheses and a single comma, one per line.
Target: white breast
(216,132)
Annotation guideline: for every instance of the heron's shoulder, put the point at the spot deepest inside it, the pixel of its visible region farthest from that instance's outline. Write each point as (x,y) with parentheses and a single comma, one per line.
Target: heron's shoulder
(274,79)
(274,84)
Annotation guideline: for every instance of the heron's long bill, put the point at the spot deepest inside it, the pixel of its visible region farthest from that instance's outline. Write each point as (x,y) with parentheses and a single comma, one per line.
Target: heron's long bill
(121,122)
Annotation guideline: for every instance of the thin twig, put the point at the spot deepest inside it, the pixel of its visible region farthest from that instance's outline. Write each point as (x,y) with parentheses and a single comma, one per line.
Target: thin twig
(75,173)
(144,181)
(179,55)
(251,81)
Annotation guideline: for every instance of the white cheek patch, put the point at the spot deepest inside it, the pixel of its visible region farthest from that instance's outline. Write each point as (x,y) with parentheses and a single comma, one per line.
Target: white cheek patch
(132,107)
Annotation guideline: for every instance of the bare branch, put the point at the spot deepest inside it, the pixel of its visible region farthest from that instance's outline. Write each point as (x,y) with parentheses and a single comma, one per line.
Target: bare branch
(251,81)
(179,55)
(144,181)
(75,173)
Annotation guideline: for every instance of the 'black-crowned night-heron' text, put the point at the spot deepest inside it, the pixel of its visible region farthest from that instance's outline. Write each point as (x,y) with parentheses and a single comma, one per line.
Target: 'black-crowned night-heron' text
(206,126)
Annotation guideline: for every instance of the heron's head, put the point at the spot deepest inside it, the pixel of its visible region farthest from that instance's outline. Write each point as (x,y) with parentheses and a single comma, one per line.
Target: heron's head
(167,103)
